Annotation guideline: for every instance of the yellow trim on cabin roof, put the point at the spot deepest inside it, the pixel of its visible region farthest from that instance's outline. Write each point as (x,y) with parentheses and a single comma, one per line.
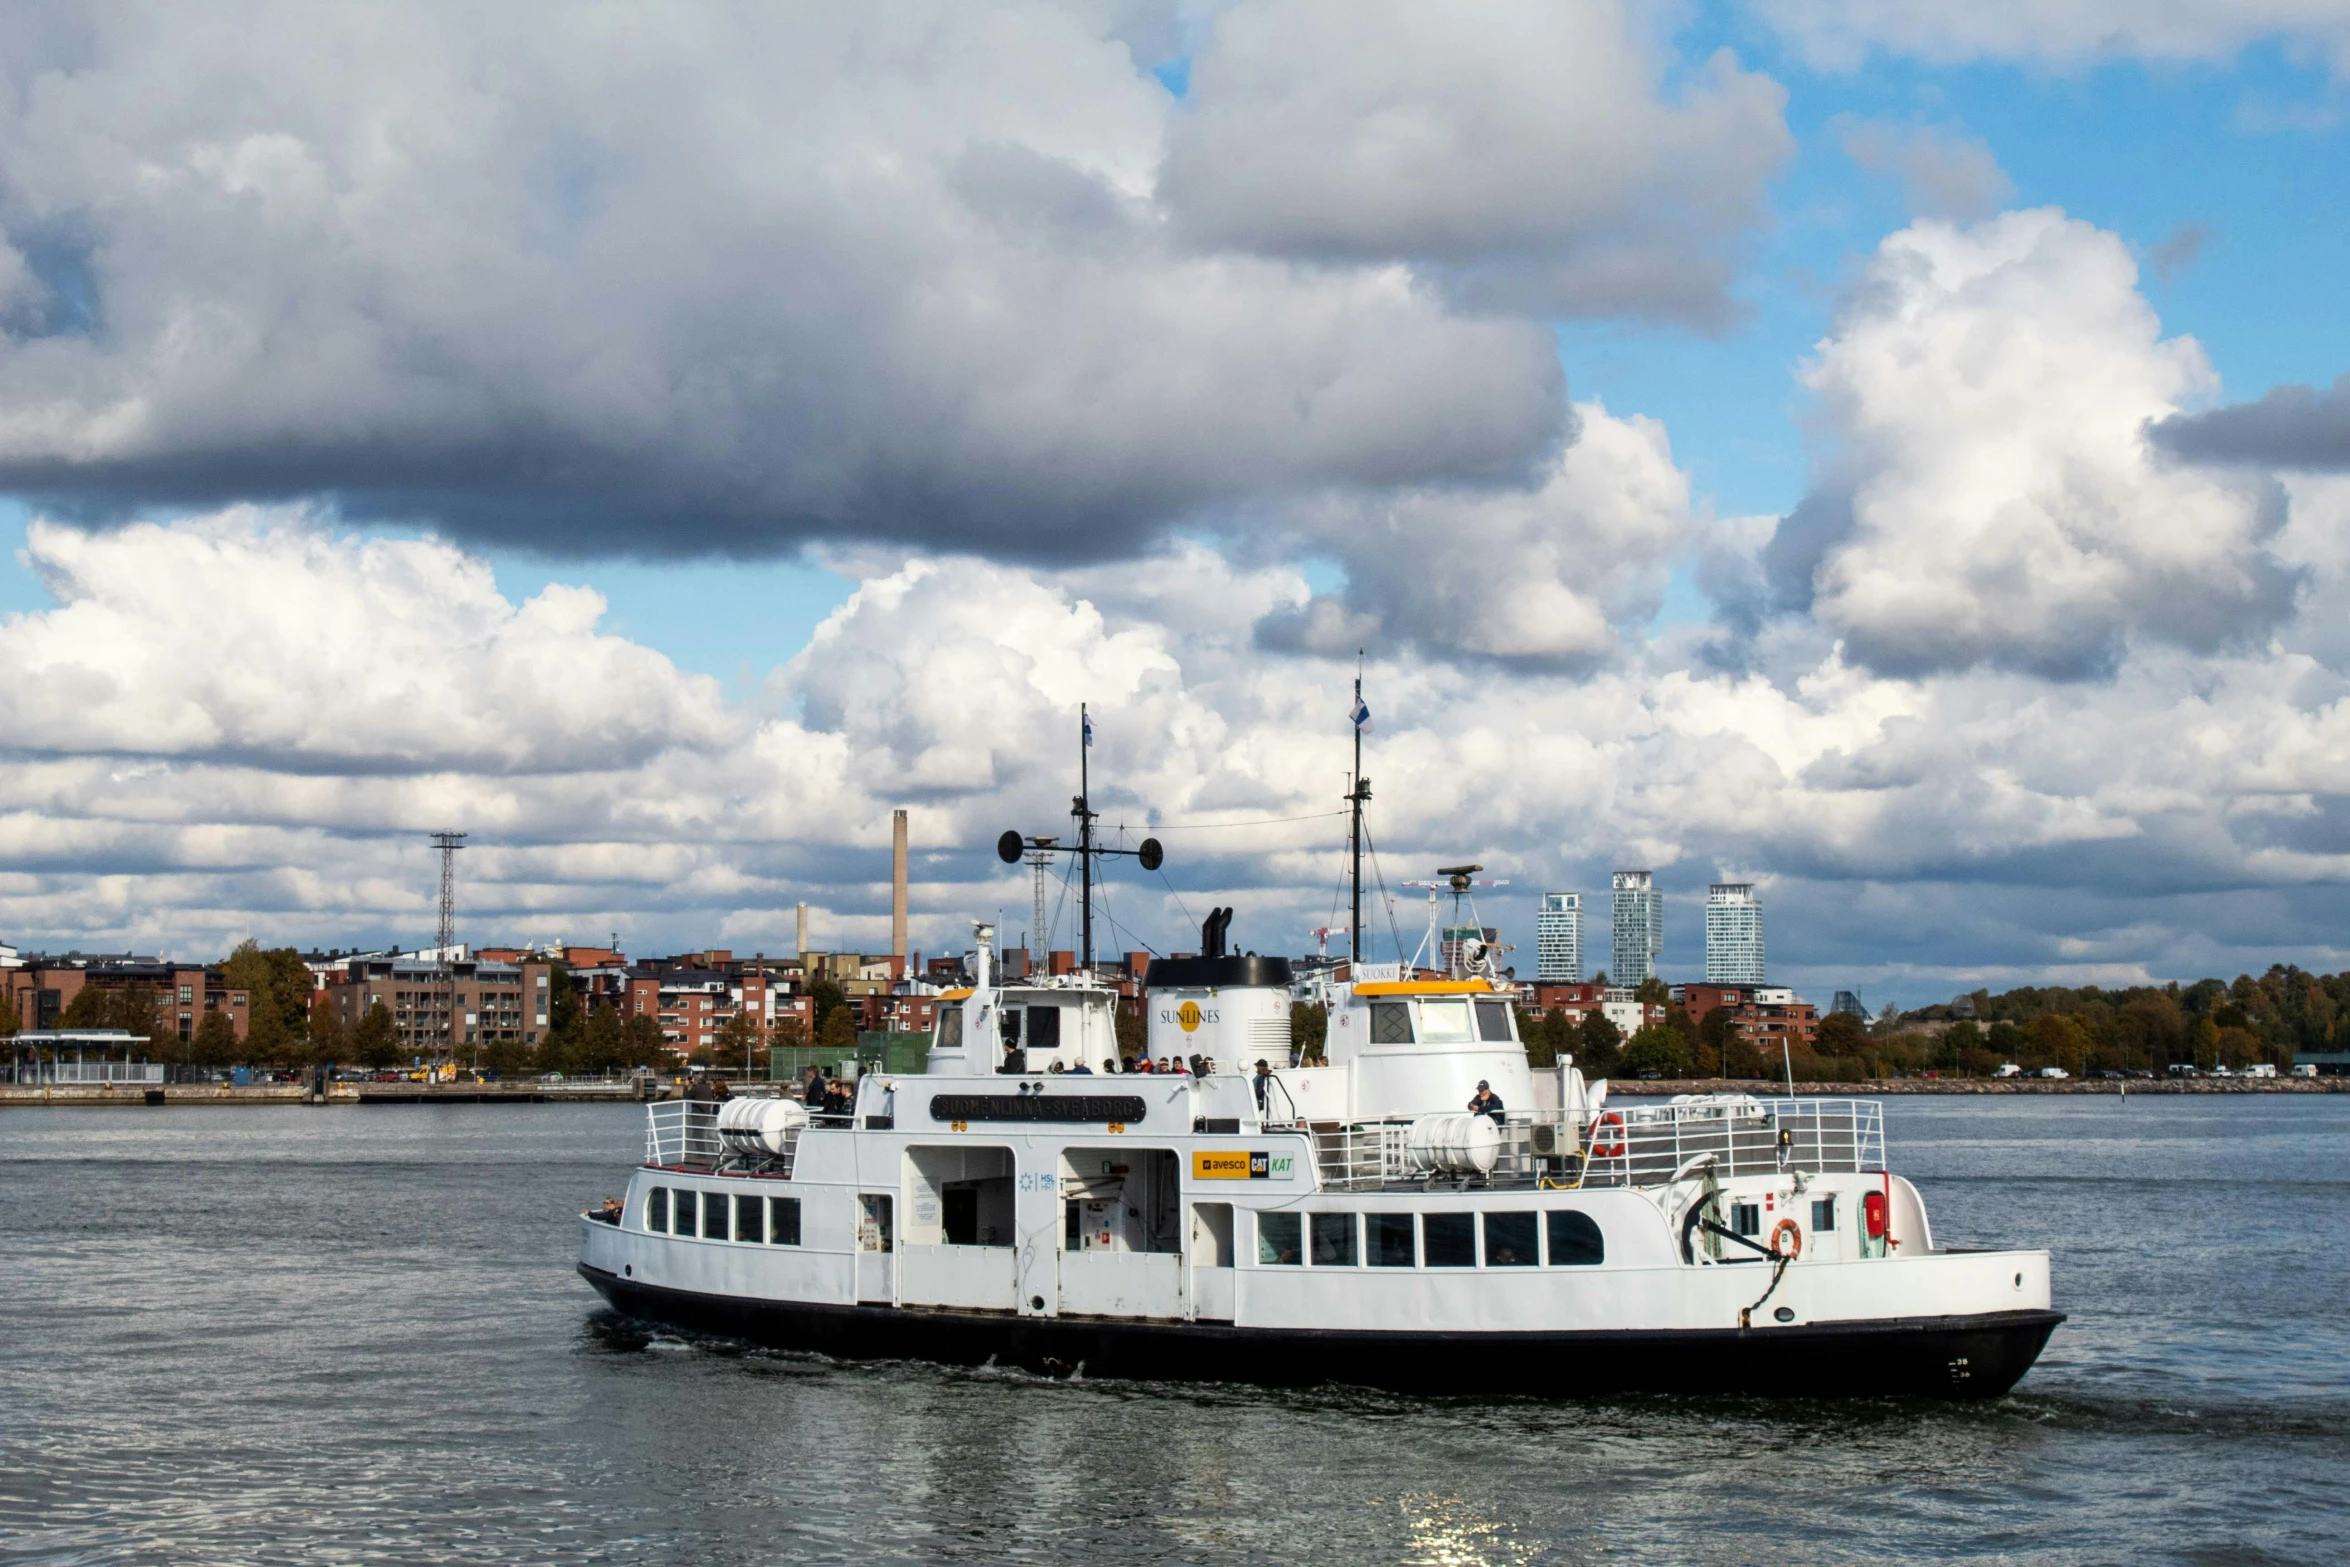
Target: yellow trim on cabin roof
(1426,987)
(954,995)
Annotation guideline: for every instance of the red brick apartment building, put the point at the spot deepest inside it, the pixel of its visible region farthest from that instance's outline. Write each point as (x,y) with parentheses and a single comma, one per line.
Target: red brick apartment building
(44,986)
(1759,1014)
(492,1001)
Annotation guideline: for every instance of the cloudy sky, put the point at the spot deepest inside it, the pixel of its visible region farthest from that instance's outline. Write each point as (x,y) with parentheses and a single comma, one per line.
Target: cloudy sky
(1897,455)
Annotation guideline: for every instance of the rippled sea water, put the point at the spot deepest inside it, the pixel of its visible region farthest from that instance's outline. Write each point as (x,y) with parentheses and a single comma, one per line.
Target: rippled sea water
(354,1334)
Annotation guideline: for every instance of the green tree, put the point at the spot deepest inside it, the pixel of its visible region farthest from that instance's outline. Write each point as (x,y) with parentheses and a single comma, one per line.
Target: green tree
(216,1042)
(740,1043)
(1658,1048)
(826,997)
(376,1041)
(1652,992)
(278,991)
(1309,1032)
(838,1032)
(1840,1034)
(566,1012)
(601,1045)
(1596,1051)
(330,1043)
(642,1044)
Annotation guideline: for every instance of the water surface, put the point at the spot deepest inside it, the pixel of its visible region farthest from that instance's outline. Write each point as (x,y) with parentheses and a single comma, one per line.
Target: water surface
(354,1334)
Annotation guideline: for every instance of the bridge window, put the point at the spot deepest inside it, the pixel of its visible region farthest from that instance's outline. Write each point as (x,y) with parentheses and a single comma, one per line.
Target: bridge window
(1449,1240)
(687,1221)
(1823,1213)
(950,1028)
(1746,1218)
(1445,1022)
(750,1219)
(1390,1239)
(1509,1240)
(657,1210)
(1044,1028)
(1493,1021)
(1278,1241)
(1334,1240)
(1575,1241)
(783,1221)
(1391,1023)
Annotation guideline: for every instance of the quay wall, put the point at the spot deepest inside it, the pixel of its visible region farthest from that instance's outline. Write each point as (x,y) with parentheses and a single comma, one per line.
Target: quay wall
(102,1096)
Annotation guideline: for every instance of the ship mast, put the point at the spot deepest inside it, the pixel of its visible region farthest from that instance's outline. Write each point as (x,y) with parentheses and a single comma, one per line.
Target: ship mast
(1358,792)
(1083,811)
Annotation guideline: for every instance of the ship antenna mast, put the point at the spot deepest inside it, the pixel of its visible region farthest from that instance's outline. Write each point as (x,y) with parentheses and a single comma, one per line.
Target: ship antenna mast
(1358,792)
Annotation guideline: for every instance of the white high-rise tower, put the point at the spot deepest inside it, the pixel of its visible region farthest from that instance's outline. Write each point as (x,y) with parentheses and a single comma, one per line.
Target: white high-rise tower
(1733,934)
(1558,939)
(1639,928)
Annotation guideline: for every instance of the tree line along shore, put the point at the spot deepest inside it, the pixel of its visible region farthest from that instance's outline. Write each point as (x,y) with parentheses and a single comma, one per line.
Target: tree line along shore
(2284,1017)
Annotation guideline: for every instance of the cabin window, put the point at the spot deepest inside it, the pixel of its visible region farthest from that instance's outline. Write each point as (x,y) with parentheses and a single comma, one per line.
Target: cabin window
(687,1222)
(1449,1240)
(783,1221)
(1746,1218)
(1823,1213)
(714,1216)
(1390,1239)
(1509,1240)
(750,1216)
(1445,1023)
(657,1210)
(1044,1028)
(1008,1026)
(1575,1241)
(1334,1239)
(1391,1023)
(1493,1021)
(950,1028)
(1278,1241)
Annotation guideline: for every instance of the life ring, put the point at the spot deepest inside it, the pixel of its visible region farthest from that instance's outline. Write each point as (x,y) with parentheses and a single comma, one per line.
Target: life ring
(1791,1233)
(1607,1150)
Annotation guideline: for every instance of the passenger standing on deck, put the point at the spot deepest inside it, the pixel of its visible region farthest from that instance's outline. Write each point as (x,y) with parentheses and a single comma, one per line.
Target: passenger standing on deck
(1264,1076)
(1485,1102)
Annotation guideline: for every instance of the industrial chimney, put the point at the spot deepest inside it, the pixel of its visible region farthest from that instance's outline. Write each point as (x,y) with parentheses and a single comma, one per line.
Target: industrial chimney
(803,937)
(897,891)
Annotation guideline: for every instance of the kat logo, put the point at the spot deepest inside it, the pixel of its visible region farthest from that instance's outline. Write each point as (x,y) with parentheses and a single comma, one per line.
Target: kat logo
(1240,1165)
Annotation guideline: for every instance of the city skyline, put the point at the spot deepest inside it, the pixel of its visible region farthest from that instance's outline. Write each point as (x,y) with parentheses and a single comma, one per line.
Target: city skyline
(665,499)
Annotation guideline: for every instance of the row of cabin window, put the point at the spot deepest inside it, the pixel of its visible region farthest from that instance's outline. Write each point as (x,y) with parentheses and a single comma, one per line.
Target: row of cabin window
(771,1221)
(1430,1240)
(1746,1218)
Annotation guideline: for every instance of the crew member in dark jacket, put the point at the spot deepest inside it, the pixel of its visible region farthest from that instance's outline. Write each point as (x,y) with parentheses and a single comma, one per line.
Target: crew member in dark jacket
(1485,1102)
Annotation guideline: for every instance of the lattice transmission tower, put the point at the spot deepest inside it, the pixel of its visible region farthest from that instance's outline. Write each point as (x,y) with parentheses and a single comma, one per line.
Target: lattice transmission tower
(445,937)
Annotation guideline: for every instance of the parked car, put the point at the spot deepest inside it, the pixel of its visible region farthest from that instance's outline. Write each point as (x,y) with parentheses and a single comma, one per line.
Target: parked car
(2052,1072)
(2008,1069)
(2183,1069)
(2259,1069)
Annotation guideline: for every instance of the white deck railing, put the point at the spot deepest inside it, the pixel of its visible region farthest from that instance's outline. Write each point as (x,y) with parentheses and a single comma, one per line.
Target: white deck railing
(1645,1145)
(1638,1145)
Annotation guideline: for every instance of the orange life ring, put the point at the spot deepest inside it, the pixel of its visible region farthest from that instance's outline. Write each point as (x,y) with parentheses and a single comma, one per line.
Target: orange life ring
(1792,1233)
(1607,1150)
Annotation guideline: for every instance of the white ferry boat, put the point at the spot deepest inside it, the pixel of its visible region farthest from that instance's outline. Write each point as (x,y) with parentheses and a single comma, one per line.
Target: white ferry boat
(1345,1220)
(1347,1223)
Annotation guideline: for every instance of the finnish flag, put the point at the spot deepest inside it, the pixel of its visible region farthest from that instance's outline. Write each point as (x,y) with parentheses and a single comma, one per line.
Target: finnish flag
(1362,716)
(1089,729)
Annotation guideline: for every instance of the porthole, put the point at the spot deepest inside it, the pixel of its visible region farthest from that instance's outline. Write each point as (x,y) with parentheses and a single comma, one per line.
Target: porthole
(1785,1314)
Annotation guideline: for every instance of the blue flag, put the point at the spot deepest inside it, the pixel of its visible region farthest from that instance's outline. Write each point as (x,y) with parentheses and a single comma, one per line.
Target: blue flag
(1089,729)
(1362,716)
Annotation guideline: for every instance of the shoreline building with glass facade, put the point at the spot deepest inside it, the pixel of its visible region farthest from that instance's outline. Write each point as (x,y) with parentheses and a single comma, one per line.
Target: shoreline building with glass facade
(1733,934)
(1558,939)
(1639,928)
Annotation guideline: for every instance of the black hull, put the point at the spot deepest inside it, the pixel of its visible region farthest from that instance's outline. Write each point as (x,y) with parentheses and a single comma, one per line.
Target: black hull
(1932,1357)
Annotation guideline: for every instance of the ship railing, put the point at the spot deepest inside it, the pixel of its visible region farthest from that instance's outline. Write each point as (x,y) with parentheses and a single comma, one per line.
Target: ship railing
(1647,1145)
(1352,1157)
(682,1134)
